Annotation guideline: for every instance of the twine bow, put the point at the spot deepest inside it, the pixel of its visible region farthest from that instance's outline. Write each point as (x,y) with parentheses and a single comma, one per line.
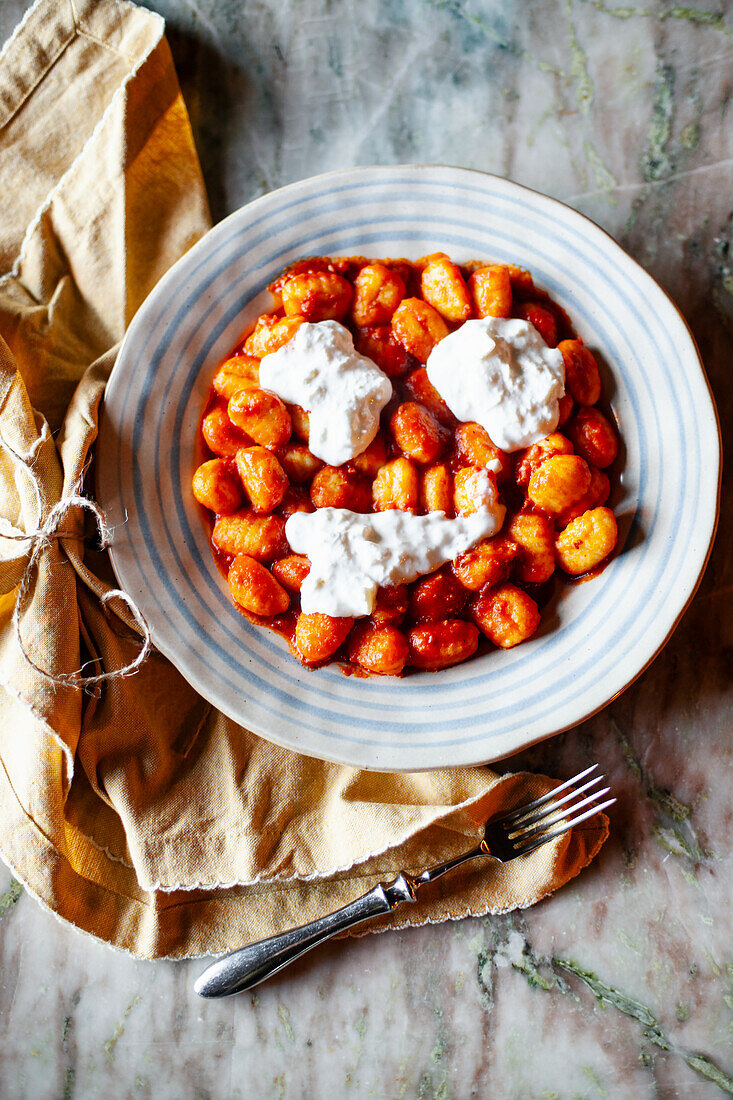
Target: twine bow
(41,540)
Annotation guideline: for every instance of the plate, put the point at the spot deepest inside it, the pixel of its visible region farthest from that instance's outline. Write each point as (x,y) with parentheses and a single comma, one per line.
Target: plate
(595,638)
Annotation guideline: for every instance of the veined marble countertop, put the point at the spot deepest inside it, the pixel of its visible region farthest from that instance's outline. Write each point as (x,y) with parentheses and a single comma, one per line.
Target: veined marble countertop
(621,985)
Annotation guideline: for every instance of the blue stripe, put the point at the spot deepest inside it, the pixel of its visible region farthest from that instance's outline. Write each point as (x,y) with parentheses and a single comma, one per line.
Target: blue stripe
(225,603)
(301,246)
(222,324)
(154,363)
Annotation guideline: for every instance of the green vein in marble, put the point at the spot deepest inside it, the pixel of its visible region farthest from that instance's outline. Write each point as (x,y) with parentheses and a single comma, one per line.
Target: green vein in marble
(457,9)
(361,1026)
(607,994)
(663,798)
(713,965)
(629,1006)
(696,15)
(690,136)
(428,1090)
(335,62)
(528,965)
(605,179)
(69,1082)
(628,942)
(674,841)
(485,988)
(593,1077)
(671,805)
(619,13)
(721,252)
(546,67)
(700,16)
(656,163)
(627,751)
(109,1045)
(680,837)
(439,1048)
(703,1065)
(579,66)
(516,951)
(10,896)
(284,1015)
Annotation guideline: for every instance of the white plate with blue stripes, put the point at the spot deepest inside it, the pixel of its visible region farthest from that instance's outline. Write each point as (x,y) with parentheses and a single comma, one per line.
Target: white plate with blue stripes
(596,637)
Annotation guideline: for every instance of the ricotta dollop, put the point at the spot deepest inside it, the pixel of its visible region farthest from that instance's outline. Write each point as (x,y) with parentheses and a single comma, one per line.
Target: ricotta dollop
(500,373)
(352,555)
(343,392)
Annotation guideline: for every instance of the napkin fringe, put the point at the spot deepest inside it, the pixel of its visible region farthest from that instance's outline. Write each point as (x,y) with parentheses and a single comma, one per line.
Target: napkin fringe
(527,902)
(394,925)
(410,919)
(324,874)
(37,716)
(107,851)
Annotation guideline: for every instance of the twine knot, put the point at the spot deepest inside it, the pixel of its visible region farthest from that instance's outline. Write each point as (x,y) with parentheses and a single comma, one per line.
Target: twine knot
(41,540)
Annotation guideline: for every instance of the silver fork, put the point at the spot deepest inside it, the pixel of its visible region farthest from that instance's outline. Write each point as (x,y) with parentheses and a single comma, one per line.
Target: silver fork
(514,834)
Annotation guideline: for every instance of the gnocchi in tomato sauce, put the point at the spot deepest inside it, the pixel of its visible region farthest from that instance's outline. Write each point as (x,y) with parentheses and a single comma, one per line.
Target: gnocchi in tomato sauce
(258,469)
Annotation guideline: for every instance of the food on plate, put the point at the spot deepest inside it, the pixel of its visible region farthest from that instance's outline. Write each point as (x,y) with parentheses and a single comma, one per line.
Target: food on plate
(401,457)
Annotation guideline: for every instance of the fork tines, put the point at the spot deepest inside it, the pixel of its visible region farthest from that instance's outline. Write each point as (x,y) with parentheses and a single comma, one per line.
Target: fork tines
(527,827)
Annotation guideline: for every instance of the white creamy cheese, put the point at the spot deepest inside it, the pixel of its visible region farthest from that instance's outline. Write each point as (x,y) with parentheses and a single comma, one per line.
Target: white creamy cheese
(352,555)
(502,374)
(342,391)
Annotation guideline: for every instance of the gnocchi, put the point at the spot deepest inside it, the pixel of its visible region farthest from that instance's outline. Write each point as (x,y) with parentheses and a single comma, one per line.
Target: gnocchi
(418,326)
(258,470)
(262,476)
(377,292)
(216,486)
(417,433)
(255,589)
(444,288)
(380,649)
(396,486)
(507,615)
(586,541)
(262,416)
(316,296)
(440,645)
(491,291)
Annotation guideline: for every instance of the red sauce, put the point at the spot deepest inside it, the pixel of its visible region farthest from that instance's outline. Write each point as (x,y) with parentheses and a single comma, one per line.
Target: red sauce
(511,494)
(591,574)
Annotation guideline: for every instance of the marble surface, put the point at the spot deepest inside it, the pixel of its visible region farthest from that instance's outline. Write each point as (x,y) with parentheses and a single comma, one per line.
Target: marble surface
(621,985)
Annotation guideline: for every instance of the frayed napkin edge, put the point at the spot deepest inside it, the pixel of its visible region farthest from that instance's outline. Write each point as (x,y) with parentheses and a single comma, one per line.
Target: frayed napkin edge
(400,925)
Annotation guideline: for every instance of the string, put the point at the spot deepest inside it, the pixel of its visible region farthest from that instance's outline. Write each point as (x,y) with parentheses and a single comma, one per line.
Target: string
(41,540)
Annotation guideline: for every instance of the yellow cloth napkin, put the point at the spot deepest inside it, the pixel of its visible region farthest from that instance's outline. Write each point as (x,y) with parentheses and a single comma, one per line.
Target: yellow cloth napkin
(135,810)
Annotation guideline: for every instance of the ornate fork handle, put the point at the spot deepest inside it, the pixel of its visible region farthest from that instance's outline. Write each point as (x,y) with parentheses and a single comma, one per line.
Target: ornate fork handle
(252,964)
(517,833)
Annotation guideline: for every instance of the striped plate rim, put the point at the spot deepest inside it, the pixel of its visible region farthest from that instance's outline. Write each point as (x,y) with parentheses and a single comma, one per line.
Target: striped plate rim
(594,641)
